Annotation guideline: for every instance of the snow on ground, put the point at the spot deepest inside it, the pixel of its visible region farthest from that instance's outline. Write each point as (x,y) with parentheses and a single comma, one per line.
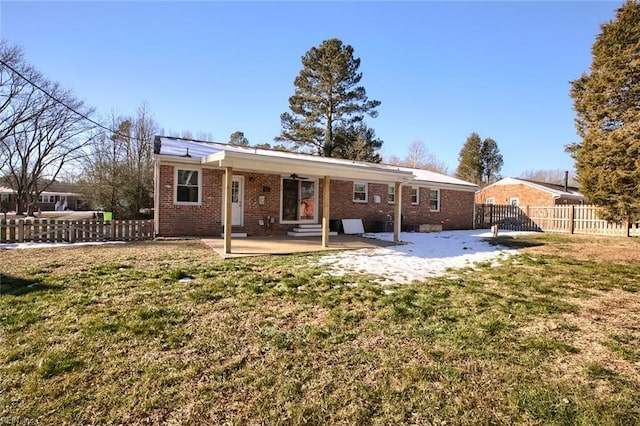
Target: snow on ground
(30,245)
(424,255)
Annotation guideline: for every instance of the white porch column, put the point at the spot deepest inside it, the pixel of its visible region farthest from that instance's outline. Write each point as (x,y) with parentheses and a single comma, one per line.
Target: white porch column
(326,193)
(397,215)
(227,209)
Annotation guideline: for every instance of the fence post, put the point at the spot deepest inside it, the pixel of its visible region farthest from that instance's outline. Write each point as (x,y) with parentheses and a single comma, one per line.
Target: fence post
(626,228)
(20,230)
(572,213)
(490,215)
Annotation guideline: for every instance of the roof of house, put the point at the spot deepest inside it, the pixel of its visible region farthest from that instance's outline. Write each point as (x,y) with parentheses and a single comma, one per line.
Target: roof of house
(556,190)
(216,154)
(55,188)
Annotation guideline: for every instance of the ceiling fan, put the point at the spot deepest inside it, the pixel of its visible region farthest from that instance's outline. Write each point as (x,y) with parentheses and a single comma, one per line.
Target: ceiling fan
(294,176)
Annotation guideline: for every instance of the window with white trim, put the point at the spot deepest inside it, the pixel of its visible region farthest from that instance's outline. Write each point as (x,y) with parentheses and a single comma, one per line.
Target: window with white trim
(434,200)
(490,201)
(47,199)
(391,194)
(360,192)
(188,186)
(415,195)
(514,202)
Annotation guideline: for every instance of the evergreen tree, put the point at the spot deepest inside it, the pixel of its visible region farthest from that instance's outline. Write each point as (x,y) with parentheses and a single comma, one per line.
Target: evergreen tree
(479,160)
(607,105)
(238,138)
(469,160)
(491,161)
(358,143)
(327,100)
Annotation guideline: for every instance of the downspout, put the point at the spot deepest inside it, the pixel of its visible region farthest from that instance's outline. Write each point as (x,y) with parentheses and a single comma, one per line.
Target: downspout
(473,219)
(156,197)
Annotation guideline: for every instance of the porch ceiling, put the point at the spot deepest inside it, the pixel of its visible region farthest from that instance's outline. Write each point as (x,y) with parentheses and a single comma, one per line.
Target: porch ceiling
(305,166)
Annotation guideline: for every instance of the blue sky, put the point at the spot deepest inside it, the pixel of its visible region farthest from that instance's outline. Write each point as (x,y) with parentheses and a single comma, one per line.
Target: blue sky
(441,69)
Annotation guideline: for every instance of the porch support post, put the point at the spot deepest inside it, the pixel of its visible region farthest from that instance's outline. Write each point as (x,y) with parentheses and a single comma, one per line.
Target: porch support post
(326,193)
(228,179)
(397,215)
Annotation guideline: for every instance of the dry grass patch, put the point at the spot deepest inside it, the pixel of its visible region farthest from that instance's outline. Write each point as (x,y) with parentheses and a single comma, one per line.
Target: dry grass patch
(109,334)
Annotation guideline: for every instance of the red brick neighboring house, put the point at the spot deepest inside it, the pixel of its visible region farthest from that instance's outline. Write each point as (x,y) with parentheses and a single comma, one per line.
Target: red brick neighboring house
(273,192)
(523,192)
(58,196)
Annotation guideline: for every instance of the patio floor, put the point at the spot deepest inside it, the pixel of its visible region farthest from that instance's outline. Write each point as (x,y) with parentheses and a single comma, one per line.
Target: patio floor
(279,245)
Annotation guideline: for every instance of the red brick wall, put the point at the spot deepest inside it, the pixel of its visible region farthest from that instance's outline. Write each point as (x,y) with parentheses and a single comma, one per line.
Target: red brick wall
(456,208)
(527,196)
(206,219)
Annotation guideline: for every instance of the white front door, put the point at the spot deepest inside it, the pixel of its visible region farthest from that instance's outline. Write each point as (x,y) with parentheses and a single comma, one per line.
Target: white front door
(237,197)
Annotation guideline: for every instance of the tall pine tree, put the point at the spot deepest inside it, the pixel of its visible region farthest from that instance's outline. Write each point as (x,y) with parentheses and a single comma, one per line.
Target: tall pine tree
(479,160)
(491,160)
(328,105)
(607,105)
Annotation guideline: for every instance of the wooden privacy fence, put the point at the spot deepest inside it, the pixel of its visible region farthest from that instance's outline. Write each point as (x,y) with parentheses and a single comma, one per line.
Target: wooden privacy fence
(568,219)
(57,231)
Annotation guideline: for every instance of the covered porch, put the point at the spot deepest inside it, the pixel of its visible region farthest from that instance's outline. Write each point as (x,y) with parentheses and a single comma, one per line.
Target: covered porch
(300,174)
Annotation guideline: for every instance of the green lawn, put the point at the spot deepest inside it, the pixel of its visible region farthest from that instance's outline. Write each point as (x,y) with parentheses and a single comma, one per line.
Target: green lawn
(109,335)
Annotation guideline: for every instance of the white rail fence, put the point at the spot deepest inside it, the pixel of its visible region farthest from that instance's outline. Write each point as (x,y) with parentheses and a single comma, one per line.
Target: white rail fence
(56,231)
(566,219)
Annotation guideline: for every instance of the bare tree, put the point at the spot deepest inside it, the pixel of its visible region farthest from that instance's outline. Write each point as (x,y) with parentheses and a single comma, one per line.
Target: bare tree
(43,128)
(419,157)
(119,172)
(416,155)
(555,176)
(140,161)
(104,176)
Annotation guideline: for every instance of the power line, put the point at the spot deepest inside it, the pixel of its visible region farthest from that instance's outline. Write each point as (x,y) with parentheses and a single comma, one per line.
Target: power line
(65,105)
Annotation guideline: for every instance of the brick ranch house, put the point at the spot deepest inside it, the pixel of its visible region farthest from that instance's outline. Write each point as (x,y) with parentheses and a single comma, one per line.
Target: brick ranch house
(523,192)
(58,196)
(207,188)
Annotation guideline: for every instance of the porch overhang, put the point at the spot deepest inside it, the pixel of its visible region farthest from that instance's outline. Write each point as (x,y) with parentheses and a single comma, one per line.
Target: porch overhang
(248,162)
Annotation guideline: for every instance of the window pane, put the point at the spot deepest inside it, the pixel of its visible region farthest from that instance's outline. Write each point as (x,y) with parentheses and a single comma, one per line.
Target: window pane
(414,195)
(307,197)
(235,191)
(360,191)
(434,200)
(187,177)
(188,194)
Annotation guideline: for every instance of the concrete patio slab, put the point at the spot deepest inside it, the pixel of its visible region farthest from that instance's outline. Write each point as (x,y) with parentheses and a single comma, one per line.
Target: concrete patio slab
(280,245)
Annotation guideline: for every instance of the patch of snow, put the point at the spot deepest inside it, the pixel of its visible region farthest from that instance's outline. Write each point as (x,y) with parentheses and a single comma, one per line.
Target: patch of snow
(422,256)
(7,246)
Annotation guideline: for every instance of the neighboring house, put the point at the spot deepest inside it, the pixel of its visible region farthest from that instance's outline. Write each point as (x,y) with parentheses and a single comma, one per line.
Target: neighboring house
(58,196)
(273,192)
(523,192)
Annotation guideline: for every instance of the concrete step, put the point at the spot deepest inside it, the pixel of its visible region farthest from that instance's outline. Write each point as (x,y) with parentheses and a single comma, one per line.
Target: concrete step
(306,230)
(236,235)
(309,234)
(310,225)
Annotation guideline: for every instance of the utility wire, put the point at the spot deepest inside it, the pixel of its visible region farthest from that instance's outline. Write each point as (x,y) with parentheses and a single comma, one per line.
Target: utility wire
(65,105)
